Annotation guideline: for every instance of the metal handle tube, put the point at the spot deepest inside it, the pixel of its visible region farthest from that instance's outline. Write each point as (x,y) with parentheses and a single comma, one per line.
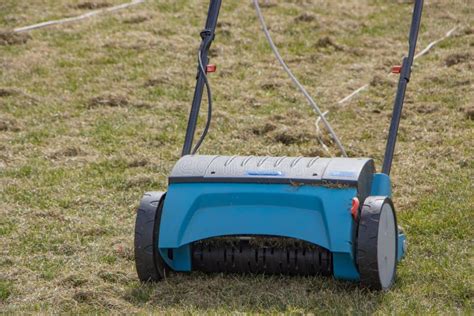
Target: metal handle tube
(402,85)
(207,36)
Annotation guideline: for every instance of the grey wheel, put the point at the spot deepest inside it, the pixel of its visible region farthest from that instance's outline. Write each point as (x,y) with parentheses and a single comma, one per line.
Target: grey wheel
(150,266)
(377,243)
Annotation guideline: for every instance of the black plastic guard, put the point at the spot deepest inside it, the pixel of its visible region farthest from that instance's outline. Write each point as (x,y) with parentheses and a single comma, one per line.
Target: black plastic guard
(289,170)
(243,257)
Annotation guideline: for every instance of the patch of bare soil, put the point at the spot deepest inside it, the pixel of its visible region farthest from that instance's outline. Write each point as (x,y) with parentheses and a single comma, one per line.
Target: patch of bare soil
(469,112)
(266,4)
(225,28)
(378,81)
(12,92)
(133,40)
(53,215)
(8,125)
(138,181)
(223,24)
(458,58)
(468,30)
(112,100)
(7,92)
(124,251)
(3,125)
(83,296)
(252,101)
(216,50)
(139,162)
(74,280)
(314,152)
(13,38)
(290,118)
(219,114)
(263,129)
(427,108)
(95,231)
(289,136)
(92,5)
(115,100)
(136,19)
(271,85)
(327,42)
(67,152)
(154,82)
(305,17)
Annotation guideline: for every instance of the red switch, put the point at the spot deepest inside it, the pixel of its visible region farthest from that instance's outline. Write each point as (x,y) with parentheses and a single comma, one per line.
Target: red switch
(211,68)
(396,69)
(355,208)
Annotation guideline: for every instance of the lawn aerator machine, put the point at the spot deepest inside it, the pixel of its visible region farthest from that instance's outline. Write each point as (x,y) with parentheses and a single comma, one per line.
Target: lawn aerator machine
(274,215)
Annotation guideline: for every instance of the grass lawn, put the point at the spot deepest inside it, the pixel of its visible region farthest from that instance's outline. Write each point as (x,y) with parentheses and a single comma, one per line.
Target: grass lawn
(93,114)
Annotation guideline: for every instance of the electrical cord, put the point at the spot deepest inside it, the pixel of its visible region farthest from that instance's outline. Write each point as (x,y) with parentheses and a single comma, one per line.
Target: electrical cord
(209,104)
(288,71)
(296,82)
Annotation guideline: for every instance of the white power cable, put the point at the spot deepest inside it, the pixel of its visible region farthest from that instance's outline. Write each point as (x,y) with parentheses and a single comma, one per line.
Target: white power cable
(423,52)
(318,133)
(433,43)
(296,82)
(77,18)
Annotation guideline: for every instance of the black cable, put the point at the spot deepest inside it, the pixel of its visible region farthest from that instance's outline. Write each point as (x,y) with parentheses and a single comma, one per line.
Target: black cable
(209,104)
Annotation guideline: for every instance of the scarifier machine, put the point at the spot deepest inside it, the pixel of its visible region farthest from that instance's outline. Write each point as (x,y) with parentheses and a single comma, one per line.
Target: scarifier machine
(274,215)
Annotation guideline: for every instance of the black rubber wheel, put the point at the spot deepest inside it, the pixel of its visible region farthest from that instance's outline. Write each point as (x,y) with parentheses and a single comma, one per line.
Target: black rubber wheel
(377,243)
(150,266)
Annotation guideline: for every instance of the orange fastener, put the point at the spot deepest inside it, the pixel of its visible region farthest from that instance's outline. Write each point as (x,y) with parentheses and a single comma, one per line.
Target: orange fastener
(396,69)
(211,68)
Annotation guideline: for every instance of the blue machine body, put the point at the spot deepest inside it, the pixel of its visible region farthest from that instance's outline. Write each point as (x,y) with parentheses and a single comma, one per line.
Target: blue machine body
(214,196)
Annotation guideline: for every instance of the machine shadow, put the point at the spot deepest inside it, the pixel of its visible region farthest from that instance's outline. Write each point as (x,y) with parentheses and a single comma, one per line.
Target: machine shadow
(198,292)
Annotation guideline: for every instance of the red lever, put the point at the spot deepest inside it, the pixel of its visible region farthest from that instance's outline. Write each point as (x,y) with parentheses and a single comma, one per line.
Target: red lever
(396,69)
(211,68)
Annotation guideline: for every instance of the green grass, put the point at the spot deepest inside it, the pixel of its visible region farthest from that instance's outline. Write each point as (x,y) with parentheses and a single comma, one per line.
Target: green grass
(6,289)
(92,114)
